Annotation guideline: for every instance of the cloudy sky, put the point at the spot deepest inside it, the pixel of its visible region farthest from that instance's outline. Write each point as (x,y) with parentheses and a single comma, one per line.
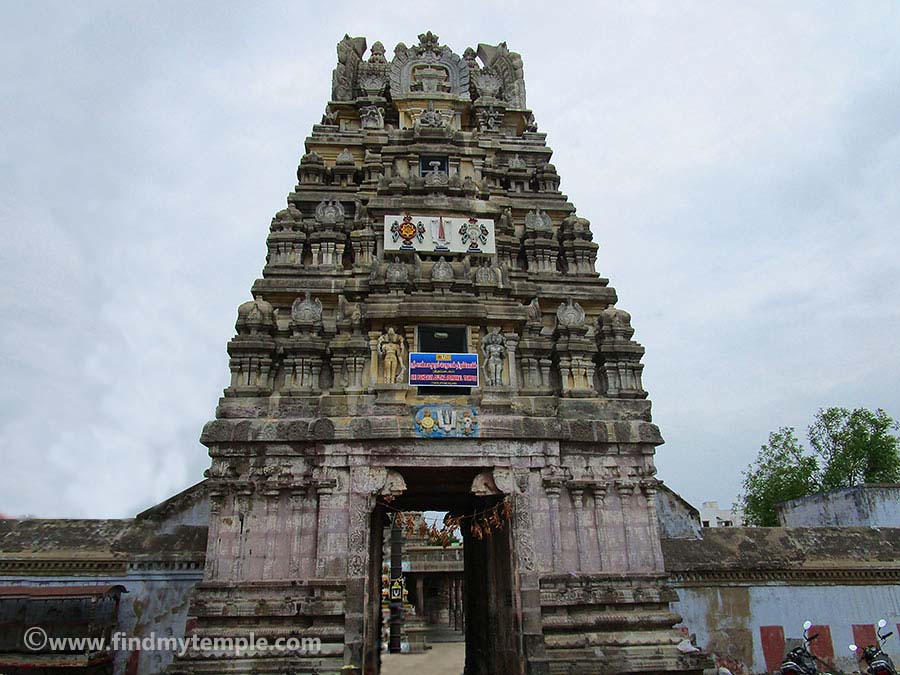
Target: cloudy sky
(739,162)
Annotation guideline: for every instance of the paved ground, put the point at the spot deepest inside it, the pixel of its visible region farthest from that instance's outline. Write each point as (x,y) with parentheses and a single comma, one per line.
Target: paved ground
(444,658)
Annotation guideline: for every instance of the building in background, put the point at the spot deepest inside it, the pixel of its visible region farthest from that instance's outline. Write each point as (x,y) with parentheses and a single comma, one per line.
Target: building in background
(713,516)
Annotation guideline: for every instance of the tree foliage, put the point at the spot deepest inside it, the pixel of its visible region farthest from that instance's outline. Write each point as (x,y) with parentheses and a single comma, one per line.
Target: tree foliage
(847,447)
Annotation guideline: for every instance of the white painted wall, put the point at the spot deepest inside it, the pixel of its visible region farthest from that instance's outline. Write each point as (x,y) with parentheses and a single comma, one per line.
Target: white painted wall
(716,614)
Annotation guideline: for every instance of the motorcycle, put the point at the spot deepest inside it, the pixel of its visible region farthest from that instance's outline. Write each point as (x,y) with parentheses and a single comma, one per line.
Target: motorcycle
(800,661)
(878,662)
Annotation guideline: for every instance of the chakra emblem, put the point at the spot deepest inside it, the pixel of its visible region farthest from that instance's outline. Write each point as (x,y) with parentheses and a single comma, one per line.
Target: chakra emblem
(474,234)
(407,230)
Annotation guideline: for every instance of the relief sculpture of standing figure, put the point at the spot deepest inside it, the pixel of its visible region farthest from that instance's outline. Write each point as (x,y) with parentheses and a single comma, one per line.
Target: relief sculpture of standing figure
(494,347)
(391,348)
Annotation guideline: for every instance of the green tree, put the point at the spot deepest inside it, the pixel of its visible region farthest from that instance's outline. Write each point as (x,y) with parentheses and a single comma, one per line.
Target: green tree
(856,446)
(782,471)
(849,447)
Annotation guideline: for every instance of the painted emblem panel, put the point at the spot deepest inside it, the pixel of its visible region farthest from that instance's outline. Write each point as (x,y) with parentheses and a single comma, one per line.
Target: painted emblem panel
(442,420)
(439,234)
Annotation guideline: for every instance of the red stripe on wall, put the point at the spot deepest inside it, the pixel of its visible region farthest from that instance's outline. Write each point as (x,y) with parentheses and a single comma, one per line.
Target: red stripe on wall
(822,645)
(772,638)
(863,635)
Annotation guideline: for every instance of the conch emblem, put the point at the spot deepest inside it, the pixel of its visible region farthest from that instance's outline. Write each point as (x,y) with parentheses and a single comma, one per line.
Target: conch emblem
(474,234)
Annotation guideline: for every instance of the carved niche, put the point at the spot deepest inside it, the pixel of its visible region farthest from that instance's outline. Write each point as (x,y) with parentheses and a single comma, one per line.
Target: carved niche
(428,68)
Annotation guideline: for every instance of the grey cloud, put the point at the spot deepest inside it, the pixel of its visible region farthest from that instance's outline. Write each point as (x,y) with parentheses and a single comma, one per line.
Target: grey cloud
(739,164)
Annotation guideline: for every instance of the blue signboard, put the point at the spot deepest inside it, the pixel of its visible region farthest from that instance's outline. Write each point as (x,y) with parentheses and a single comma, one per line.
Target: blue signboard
(428,369)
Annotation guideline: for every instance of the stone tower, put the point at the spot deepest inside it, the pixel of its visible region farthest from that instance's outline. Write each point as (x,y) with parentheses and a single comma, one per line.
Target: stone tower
(430,332)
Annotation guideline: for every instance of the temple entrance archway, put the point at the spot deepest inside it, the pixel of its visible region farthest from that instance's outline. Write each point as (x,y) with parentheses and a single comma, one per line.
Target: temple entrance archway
(471,590)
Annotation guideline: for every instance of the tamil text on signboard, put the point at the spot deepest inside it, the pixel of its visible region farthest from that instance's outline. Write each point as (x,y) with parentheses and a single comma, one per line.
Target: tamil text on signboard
(443,370)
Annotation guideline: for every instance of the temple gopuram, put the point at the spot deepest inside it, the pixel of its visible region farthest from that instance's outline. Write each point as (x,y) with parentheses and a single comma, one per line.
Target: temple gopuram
(430,332)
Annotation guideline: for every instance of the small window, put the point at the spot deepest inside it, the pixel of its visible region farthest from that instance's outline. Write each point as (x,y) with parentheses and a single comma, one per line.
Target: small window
(431,163)
(705,523)
(726,523)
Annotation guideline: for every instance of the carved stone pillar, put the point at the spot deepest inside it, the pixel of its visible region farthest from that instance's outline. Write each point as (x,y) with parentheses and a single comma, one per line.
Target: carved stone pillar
(374,361)
(214,551)
(241,512)
(512,341)
(632,551)
(599,490)
(576,490)
(324,489)
(297,503)
(272,500)
(552,487)
(650,488)
(523,526)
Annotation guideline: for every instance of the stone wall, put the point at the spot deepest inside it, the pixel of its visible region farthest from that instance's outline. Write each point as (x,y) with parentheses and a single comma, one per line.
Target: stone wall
(159,564)
(744,592)
(861,505)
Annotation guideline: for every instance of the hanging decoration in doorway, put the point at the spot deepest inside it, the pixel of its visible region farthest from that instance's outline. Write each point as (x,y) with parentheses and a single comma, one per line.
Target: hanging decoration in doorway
(481,524)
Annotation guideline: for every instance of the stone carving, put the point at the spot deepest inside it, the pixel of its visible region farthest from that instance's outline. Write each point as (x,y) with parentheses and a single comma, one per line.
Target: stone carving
(469,57)
(508,67)
(442,271)
(530,123)
(517,163)
(494,347)
(570,314)
(345,157)
(255,317)
(330,116)
(371,117)
(373,84)
(377,53)
(307,309)
(392,348)
(487,84)
(534,311)
(538,220)
(483,485)
(615,324)
(428,68)
(330,212)
(490,118)
(436,177)
(343,80)
(396,272)
(430,118)
(486,274)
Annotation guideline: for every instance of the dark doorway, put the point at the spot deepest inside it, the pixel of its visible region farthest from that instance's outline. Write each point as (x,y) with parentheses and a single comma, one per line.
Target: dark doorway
(474,596)
(444,340)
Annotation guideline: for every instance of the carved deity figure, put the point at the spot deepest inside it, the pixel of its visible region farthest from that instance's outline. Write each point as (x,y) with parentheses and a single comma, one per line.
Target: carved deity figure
(494,347)
(391,347)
